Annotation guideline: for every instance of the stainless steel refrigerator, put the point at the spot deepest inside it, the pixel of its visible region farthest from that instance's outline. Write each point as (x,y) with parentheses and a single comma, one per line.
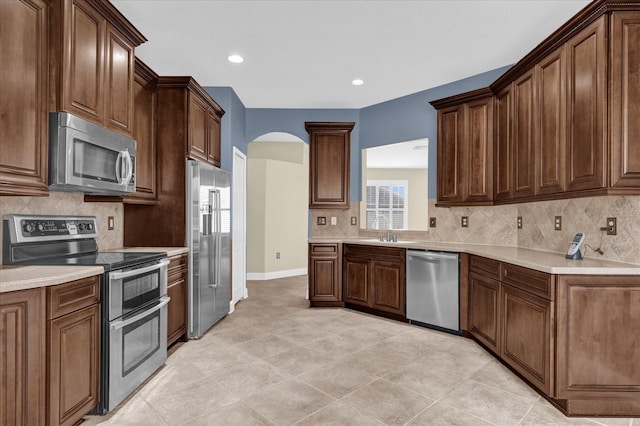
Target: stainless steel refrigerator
(209,241)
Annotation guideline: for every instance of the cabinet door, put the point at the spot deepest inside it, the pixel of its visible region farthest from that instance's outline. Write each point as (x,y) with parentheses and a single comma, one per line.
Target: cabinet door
(24,106)
(177,307)
(324,273)
(450,150)
(479,148)
(119,68)
(625,108)
(355,280)
(22,358)
(198,121)
(586,107)
(144,132)
(329,168)
(484,310)
(550,142)
(213,138)
(74,365)
(503,150)
(527,336)
(524,106)
(388,286)
(83,79)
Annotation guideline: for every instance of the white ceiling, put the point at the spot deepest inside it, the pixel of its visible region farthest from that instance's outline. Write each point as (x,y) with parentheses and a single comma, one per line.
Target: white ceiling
(304,53)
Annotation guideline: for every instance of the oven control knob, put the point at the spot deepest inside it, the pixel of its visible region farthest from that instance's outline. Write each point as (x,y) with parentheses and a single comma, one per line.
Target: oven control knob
(29,227)
(81,226)
(89,226)
(40,227)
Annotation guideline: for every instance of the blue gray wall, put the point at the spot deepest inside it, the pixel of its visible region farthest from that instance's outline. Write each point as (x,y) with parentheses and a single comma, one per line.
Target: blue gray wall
(402,119)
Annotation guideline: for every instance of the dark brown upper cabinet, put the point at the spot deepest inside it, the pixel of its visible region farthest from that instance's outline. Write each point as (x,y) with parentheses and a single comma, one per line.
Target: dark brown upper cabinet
(92,62)
(24,92)
(329,153)
(465,148)
(503,136)
(524,135)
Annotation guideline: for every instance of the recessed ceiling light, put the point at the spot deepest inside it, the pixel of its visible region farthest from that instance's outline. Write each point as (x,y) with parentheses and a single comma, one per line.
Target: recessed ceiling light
(236,59)
(357,82)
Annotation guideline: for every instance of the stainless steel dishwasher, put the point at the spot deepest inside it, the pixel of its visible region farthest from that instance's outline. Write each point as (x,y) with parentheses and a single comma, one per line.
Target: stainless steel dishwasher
(433,289)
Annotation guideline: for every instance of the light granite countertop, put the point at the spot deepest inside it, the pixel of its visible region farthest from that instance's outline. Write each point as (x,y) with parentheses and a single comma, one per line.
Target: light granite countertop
(14,278)
(544,261)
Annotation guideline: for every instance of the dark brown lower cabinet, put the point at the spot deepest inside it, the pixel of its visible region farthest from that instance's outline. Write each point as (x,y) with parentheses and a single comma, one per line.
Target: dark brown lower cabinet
(178,275)
(374,278)
(73,350)
(325,274)
(527,336)
(22,357)
(598,335)
(484,310)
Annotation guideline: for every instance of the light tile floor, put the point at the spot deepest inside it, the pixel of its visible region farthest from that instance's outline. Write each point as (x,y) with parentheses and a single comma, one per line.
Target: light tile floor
(274,361)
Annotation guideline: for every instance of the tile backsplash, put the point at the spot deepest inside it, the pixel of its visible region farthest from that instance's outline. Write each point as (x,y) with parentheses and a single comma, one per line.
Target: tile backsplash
(68,203)
(498,225)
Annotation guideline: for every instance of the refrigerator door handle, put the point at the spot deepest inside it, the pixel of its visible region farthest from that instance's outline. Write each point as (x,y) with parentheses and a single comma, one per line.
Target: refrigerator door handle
(218,207)
(213,265)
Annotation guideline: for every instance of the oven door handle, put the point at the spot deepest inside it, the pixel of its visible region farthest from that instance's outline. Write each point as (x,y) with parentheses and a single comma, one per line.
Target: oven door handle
(120,275)
(120,324)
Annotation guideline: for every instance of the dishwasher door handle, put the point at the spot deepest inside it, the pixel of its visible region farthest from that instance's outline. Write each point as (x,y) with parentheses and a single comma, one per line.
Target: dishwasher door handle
(428,255)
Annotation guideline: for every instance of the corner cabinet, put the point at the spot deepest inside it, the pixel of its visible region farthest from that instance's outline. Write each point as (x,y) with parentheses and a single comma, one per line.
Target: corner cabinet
(465,149)
(24,137)
(177,278)
(329,167)
(374,279)
(92,62)
(325,274)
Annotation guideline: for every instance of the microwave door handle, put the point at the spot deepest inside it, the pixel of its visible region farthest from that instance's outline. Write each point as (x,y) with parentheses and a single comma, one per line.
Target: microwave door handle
(119,167)
(126,159)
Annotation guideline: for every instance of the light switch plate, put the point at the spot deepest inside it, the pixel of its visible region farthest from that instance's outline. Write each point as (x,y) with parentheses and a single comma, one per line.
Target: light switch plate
(334,220)
(432,222)
(111,225)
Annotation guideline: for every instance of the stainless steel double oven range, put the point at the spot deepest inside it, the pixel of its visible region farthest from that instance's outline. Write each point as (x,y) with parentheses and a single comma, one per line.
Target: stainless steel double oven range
(134,294)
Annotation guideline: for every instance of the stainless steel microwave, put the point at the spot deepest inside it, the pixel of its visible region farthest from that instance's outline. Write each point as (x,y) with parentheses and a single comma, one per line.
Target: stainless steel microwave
(84,157)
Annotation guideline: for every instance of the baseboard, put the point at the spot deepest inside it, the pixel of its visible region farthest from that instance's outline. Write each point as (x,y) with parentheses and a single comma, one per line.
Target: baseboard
(262,276)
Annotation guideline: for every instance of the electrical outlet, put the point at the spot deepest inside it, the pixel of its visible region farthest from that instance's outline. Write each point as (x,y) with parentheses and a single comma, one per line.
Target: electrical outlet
(557,224)
(277,255)
(464,221)
(612,226)
(111,224)
(354,220)
(519,222)
(334,220)
(432,222)
(322,220)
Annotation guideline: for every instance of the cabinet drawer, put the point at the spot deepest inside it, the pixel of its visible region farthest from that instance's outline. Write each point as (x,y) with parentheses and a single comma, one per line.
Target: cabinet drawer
(177,264)
(65,298)
(483,266)
(534,282)
(323,249)
(370,252)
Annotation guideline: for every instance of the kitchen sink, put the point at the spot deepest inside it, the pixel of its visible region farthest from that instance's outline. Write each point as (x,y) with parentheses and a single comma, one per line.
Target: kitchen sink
(377,240)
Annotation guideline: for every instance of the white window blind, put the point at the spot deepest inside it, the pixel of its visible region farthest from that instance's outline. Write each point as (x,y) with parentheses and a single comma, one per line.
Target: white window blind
(387,204)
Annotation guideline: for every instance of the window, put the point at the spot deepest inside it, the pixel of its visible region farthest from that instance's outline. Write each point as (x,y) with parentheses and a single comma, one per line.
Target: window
(387,204)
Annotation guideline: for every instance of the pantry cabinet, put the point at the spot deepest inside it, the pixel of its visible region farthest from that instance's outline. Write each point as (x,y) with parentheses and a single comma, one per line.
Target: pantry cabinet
(325,274)
(24,48)
(329,167)
(177,278)
(23,356)
(92,63)
(374,279)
